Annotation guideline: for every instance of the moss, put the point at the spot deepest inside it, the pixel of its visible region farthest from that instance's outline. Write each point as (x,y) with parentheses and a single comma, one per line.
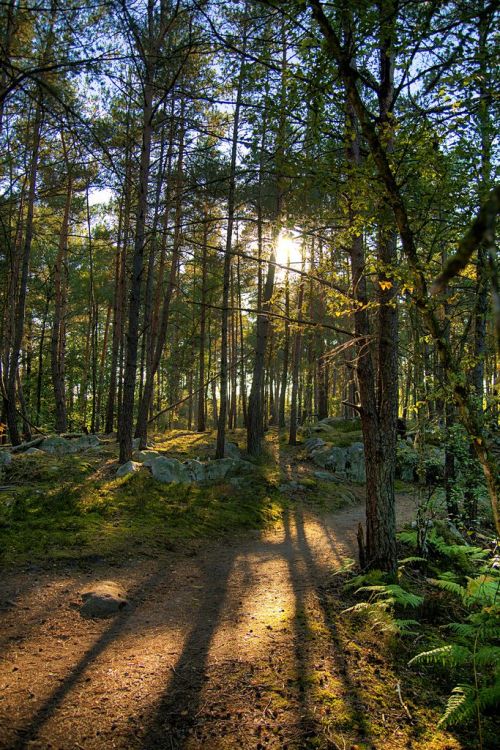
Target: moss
(73,505)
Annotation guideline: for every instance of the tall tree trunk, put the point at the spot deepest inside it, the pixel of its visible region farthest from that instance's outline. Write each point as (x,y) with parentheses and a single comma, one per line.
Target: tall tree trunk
(58,337)
(201,418)
(10,376)
(159,344)
(222,417)
(127,410)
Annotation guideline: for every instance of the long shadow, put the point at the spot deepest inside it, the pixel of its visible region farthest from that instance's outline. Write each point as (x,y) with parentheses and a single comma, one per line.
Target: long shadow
(177,710)
(308,724)
(355,701)
(53,701)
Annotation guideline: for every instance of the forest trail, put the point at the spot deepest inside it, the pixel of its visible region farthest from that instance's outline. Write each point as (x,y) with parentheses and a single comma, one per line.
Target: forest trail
(221,647)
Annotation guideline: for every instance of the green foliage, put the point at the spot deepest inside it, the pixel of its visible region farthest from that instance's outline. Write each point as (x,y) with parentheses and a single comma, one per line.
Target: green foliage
(384,602)
(473,646)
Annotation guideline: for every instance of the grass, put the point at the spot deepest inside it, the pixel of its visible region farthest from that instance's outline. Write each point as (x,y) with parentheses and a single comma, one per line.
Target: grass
(71,506)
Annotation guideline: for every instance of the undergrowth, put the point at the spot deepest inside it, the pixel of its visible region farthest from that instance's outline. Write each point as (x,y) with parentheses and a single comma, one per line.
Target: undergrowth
(452,595)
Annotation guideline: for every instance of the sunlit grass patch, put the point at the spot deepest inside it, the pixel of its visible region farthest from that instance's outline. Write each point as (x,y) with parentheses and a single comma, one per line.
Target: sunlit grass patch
(74,505)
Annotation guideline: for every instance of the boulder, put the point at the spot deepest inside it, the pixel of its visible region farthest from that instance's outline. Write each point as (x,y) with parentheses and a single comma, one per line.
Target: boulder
(231,450)
(146,457)
(325,476)
(5,459)
(169,471)
(128,468)
(103,600)
(195,470)
(58,446)
(217,470)
(313,443)
(33,452)
(336,461)
(320,456)
(86,442)
(220,468)
(355,463)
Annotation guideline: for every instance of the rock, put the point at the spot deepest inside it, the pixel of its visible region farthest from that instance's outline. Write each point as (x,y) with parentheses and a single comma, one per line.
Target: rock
(128,468)
(325,476)
(355,463)
(336,461)
(231,450)
(86,442)
(195,470)
(103,600)
(33,452)
(218,469)
(313,443)
(240,466)
(136,443)
(169,471)
(5,459)
(58,446)
(146,457)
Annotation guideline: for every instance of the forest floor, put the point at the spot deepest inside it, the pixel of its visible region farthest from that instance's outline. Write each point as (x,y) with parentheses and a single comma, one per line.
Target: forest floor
(235,642)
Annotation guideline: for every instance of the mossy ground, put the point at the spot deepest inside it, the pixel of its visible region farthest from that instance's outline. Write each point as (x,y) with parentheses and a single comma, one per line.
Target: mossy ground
(65,506)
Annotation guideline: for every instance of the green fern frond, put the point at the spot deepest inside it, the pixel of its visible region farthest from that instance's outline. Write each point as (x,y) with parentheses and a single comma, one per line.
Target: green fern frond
(411,559)
(394,594)
(461,705)
(359,607)
(451,655)
(488,656)
(483,590)
(451,586)
(409,536)
(489,697)
(406,627)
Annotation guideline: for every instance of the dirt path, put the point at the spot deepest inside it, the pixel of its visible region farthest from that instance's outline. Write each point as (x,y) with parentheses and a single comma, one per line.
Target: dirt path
(213,652)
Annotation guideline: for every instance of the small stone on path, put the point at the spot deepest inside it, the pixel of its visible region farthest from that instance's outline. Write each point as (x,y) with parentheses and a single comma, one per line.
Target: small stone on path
(103,600)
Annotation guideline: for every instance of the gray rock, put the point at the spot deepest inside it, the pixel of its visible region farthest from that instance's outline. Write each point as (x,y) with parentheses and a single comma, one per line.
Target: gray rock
(231,450)
(217,470)
(169,471)
(5,459)
(128,468)
(33,452)
(355,463)
(241,467)
(195,470)
(146,458)
(58,446)
(320,457)
(103,600)
(86,442)
(136,443)
(313,443)
(325,476)
(336,461)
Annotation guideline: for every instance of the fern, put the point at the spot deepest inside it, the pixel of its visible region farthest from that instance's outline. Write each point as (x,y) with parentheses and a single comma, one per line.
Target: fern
(461,705)
(393,594)
(451,655)
(409,537)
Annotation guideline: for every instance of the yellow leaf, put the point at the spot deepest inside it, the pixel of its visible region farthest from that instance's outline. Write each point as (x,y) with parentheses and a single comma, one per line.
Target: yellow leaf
(385,285)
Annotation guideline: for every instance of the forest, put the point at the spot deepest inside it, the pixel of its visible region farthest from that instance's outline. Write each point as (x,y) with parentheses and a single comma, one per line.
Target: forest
(249,373)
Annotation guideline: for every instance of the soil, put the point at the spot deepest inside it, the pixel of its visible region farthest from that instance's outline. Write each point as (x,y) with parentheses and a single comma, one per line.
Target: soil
(227,644)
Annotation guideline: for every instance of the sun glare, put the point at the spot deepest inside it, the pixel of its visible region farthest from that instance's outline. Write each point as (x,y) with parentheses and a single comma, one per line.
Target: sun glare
(288,250)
